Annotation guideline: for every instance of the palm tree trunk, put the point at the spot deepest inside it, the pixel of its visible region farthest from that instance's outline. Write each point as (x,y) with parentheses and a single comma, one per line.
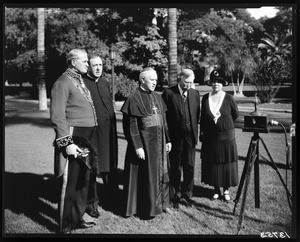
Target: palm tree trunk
(41,59)
(172,41)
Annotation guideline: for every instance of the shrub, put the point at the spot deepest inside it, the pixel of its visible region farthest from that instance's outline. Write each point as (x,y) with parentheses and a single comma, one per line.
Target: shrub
(268,80)
(123,86)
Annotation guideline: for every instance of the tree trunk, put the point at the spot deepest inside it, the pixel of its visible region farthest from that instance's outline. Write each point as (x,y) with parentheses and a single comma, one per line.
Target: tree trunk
(172,41)
(41,59)
(241,87)
(233,86)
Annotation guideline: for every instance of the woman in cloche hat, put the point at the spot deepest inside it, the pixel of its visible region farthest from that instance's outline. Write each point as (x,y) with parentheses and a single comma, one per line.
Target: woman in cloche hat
(219,151)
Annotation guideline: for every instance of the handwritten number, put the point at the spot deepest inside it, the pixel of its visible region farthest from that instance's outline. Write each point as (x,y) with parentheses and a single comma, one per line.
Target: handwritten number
(287,235)
(274,235)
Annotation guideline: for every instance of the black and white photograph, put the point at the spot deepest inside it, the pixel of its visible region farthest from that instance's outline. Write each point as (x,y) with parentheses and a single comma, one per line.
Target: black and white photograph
(150,120)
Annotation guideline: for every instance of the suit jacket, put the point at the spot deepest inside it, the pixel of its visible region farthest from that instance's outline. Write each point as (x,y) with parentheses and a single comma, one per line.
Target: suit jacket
(174,114)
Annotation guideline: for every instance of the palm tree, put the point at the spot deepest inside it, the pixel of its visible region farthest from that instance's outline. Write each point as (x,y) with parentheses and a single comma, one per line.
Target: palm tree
(172,41)
(41,59)
(274,66)
(275,48)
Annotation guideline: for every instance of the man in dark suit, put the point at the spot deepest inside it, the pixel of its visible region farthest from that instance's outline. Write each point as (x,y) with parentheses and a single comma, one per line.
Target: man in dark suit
(105,138)
(183,115)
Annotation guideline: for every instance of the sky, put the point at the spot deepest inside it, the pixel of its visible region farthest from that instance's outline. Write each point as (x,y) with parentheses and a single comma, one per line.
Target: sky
(263,11)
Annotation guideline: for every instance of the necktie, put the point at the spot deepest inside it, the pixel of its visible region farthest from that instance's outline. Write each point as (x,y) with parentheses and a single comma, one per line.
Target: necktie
(183,96)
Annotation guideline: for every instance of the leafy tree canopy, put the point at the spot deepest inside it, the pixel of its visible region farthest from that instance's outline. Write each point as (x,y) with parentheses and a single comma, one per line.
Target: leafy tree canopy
(226,36)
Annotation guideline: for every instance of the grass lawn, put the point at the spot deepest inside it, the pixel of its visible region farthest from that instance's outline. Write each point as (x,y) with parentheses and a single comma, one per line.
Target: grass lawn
(30,199)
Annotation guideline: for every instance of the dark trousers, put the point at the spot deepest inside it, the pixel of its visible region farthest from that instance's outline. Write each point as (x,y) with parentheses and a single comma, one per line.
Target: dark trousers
(74,184)
(182,157)
(92,198)
(111,188)
(74,201)
(109,194)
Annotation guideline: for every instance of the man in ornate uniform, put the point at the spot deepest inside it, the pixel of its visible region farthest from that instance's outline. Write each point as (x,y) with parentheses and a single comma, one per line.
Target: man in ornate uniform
(105,138)
(146,185)
(72,114)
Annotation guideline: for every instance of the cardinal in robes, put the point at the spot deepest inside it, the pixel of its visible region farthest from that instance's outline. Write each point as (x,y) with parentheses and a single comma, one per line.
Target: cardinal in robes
(146,169)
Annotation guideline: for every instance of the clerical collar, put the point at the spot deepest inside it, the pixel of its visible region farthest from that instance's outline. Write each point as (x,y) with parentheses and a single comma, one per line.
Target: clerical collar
(96,79)
(143,89)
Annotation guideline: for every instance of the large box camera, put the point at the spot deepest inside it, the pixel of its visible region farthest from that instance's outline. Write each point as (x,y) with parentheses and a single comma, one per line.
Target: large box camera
(258,124)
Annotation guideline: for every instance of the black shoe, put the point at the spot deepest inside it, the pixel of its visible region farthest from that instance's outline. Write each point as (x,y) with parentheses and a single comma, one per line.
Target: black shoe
(176,205)
(93,213)
(84,225)
(176,201)
(187,201)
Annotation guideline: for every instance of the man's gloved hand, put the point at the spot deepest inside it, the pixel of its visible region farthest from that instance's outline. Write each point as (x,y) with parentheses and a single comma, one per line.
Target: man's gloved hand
(73,149)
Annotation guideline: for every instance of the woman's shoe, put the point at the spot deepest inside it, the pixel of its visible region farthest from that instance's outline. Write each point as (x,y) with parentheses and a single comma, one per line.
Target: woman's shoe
(226,196)
(215,196)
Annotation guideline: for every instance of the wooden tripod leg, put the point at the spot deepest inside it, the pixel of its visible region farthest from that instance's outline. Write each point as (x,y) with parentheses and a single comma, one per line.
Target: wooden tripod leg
(252,157)
(242,180)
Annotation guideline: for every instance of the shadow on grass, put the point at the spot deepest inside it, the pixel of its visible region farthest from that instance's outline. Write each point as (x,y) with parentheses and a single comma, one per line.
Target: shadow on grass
(30,118)
(36,196)
(223,213)
(111,201)
(199,191)
(30,194)
(269,163)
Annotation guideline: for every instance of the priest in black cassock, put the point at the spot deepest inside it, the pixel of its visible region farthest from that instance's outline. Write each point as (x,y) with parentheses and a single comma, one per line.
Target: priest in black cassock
(105,138)
(146,183)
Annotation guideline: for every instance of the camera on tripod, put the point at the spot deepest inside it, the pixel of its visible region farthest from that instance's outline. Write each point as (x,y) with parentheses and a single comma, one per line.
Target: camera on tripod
(256,124)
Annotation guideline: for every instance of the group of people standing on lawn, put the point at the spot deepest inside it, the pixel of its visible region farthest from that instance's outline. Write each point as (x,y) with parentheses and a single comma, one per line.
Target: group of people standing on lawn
(162,131)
